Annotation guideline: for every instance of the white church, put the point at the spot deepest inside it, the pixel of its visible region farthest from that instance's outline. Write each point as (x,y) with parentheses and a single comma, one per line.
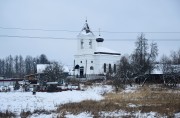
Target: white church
(92,59)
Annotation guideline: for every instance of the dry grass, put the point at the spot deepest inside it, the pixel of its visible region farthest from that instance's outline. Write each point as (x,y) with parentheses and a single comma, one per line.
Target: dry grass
(7,114)
(25,114)
(146,99)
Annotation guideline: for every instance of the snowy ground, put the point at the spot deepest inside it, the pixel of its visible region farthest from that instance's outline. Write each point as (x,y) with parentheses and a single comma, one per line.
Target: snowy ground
(16,101)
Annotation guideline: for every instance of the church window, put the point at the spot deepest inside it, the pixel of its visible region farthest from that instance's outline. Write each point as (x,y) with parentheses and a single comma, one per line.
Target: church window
(91,61)
(90,43)
(110,69)
(82,44)
(91,68)
(105,67)
(81,61)
(114,68)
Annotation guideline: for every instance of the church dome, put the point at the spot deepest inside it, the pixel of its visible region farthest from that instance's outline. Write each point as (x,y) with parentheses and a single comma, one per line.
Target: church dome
(99,39)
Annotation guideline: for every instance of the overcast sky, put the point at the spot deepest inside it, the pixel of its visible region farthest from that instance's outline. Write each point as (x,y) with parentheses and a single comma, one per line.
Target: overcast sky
(108,15)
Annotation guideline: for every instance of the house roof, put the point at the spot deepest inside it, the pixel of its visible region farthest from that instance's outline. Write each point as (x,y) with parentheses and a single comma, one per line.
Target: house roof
(157,69)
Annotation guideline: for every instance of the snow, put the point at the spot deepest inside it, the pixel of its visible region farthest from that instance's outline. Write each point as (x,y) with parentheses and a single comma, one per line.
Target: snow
(81,115)
(145,115)
(119,113)
(177,115)
(53,115)
(103,49)
(18,101)
(86,34)
(41,67)
(116,114)
(132,105)
(158,69)
(130,89)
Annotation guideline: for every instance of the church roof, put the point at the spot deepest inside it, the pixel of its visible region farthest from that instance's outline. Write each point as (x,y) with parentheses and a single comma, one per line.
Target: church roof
(86,30)
(103,50)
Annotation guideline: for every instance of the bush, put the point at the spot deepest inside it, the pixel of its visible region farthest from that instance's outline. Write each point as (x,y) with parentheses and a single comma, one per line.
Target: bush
(7,114)
(16,86)
(52,88)
(25,114)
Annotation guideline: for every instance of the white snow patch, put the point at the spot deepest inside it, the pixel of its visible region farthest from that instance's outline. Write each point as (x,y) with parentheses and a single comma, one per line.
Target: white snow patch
(44,115)
(130,89)
(177,115)
(103,49)
(81,115)
(132,105)
(18,101)
(100,89)
(146,115)
(119,113)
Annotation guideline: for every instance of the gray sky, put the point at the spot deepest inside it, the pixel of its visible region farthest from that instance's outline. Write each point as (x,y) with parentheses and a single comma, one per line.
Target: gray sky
(108,15)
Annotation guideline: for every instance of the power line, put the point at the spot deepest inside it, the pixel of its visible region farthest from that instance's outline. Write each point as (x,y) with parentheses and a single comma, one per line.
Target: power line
(64,38)
(35,37)
(51,30)
(140,32)
(57,30)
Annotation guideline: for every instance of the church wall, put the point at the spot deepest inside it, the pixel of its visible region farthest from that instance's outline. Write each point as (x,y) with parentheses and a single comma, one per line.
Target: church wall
(107,59)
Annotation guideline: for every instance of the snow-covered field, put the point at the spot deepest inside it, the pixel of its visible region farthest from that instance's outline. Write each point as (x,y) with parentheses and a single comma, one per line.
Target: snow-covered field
(17,101)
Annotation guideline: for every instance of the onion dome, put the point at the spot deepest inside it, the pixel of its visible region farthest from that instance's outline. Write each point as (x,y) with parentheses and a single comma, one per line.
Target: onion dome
(99,39)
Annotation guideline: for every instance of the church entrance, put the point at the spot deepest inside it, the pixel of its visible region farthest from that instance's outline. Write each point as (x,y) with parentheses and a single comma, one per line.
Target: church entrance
(81,71)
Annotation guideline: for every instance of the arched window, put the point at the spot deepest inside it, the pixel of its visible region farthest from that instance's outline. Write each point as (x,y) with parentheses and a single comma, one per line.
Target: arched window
(105,67)
(82,44)
(114,68)
(90,43)
(91,68)
(110,69)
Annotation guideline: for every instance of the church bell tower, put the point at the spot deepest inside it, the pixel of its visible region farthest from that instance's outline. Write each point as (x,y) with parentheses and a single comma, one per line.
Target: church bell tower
(86,40)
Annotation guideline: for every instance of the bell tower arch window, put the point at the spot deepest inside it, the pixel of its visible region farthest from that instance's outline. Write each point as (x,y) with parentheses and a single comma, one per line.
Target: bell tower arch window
(90,43)
(82,44)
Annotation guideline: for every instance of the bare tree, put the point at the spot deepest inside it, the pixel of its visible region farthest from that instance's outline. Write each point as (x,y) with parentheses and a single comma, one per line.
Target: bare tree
(29,64)
(143,61)
(21,67)
(140,63)
(124,71)
(54,72)
(171,68)
(43,59)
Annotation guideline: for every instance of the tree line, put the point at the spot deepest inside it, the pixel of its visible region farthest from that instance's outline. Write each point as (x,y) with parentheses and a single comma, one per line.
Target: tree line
(18,67)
